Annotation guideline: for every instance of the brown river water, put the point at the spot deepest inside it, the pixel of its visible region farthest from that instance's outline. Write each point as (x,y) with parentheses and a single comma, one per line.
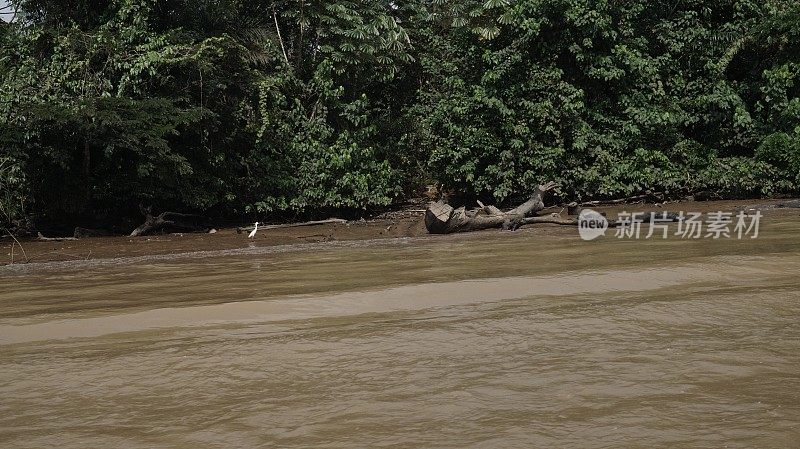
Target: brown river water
(496,339)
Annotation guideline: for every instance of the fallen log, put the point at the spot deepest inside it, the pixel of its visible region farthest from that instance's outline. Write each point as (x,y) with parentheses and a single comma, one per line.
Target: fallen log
(657,197)
(42,238)
(786,204)
(172,220)
(441,218)
(551,219)
(291,225)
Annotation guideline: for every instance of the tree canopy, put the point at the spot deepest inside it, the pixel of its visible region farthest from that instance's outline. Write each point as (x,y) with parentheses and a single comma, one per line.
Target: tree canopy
(305,106)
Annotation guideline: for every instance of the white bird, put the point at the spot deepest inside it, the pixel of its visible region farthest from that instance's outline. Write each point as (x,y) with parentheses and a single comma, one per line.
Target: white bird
(253,232)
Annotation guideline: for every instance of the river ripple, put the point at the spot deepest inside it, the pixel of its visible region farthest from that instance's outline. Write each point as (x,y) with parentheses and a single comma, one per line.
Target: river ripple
(498,340)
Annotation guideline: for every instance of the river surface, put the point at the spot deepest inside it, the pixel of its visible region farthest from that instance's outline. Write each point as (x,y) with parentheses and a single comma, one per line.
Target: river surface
(497,339)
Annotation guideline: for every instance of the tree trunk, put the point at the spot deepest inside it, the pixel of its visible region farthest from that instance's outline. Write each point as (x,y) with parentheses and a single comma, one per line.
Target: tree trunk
(441,218)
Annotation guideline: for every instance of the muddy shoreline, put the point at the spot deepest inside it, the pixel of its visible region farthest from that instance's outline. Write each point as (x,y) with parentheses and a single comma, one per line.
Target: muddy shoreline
(398,225)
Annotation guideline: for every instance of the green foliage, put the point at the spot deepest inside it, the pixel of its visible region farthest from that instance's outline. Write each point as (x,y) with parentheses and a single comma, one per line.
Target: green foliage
(324,135)
(119,114)
(605,97)
(312,162)
(13,195)
(781,151)
(307,106)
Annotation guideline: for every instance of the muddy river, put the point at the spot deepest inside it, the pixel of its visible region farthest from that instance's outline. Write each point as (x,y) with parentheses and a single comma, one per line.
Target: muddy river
(527,339)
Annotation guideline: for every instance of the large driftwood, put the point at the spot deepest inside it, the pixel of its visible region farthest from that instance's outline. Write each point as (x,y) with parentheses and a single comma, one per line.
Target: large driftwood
(172,220)
(441,218)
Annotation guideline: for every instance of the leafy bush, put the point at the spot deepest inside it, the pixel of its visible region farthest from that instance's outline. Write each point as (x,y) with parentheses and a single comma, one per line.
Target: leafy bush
(13,193)
(608,99)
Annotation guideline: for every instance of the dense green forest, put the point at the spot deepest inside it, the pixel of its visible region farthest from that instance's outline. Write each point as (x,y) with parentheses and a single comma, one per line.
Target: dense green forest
(305,107)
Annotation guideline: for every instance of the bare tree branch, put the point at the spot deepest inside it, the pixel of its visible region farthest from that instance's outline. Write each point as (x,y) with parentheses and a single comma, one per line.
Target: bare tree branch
(280,39)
